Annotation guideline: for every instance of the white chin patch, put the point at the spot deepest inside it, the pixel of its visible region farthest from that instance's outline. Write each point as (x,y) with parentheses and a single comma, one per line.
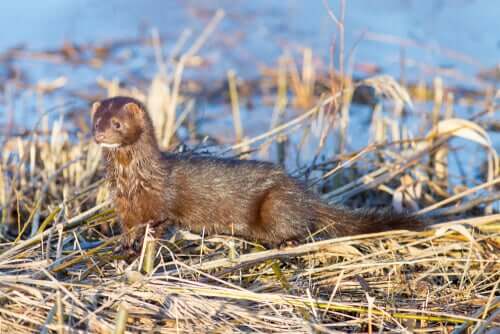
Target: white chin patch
(106,145)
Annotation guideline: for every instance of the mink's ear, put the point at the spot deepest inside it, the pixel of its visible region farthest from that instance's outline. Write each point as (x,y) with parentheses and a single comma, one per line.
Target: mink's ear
(133,108)
(94,108)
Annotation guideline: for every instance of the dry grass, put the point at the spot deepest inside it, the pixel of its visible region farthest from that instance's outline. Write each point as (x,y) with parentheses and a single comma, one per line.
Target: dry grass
(58,272)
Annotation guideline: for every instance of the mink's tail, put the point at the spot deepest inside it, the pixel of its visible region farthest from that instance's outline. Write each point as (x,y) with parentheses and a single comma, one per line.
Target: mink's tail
(340,221)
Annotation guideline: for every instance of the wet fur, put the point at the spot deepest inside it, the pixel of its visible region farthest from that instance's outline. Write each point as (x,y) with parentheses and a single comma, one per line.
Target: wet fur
(250,199)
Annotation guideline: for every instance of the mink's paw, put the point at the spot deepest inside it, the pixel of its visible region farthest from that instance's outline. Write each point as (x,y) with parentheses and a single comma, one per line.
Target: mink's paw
(129,248)
(125,251)
(137,245)
(288,243)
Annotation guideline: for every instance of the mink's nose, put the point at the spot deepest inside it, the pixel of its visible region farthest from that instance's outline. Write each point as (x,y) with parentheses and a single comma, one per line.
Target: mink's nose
(99,137)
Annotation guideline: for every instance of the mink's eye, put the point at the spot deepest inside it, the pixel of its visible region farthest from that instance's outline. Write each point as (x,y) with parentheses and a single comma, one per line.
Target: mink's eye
(116,124)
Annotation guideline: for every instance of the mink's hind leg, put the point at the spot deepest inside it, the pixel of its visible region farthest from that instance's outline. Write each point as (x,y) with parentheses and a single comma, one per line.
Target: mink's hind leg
(281,216)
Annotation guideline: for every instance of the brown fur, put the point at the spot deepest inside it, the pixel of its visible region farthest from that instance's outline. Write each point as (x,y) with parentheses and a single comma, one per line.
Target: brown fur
(251,199)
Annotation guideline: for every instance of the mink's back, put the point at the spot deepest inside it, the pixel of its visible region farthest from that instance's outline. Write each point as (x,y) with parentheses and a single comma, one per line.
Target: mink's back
(224,180)
(219,175)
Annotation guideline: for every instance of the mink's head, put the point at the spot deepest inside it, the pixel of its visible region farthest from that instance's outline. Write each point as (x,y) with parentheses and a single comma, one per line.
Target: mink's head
(118,121)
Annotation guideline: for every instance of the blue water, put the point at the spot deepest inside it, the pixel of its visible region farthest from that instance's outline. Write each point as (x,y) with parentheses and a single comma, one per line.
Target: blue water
(259,30)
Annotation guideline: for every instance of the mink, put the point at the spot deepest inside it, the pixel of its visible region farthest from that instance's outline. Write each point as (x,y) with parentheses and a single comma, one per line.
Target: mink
(251,199)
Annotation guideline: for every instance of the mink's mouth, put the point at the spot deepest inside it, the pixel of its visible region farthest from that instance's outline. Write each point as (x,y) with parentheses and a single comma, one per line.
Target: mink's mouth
(100,140)
(106,145)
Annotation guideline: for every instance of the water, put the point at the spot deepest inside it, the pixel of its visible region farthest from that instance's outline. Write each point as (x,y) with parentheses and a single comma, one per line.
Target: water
(259,31)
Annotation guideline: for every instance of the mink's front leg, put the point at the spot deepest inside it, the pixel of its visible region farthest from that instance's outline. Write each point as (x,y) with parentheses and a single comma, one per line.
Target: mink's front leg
(131,239)
(133,235)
